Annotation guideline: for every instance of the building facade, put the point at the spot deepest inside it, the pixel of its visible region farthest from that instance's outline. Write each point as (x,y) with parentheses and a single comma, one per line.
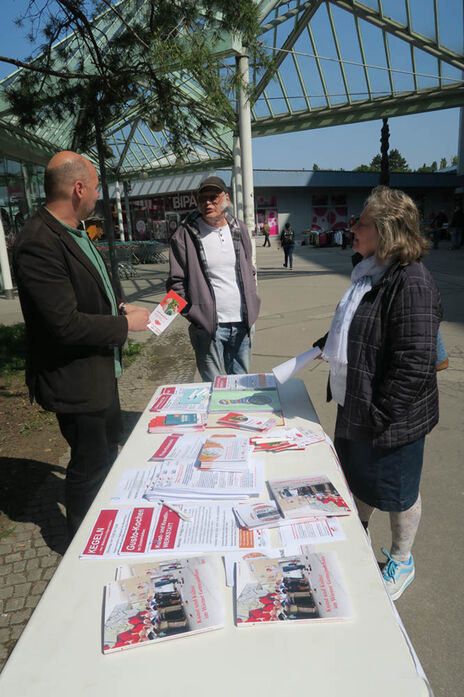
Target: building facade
(308,200)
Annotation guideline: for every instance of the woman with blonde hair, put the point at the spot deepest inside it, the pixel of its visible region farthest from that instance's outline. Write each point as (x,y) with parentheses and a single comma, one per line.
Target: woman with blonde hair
(382,352)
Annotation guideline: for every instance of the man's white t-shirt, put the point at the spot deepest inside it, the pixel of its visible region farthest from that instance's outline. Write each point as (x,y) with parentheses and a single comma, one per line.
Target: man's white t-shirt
(220,257)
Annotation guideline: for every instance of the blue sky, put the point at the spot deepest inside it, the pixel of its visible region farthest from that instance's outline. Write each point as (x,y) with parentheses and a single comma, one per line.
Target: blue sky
(420,138)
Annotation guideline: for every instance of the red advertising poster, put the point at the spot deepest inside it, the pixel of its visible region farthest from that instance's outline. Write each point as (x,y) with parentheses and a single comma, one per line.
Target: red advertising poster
(135,541)
(100,534)
(163,399)
(166,447)
(166,530)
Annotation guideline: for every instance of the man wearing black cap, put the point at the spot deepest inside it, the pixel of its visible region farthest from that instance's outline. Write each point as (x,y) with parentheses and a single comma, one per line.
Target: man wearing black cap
(211,267)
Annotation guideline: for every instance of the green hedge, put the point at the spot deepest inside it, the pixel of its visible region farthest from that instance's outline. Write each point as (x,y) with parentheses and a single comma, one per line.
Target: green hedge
(12,348)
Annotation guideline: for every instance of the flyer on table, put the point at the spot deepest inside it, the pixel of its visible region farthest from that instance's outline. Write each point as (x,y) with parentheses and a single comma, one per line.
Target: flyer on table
(143,531)
(249,381)
(179,399)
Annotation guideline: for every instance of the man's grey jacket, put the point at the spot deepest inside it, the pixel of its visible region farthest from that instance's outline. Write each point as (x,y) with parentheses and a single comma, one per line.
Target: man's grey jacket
(189,274)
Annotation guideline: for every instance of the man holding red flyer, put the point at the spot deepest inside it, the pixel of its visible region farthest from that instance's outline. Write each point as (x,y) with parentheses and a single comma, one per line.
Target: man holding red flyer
(211,268)
(75,327)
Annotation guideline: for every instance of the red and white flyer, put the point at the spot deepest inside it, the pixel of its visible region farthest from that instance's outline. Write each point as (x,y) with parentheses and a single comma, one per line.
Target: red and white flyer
(248,381)
(175,399)
(226,453)
(179,446)
(146,531)
(248,422)
(108,533)
(168,309)
(182,480)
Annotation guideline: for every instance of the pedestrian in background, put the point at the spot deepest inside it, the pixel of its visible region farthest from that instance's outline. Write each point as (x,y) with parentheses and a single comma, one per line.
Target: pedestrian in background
(456,227)
(440,221)
(266,233)
(287,242)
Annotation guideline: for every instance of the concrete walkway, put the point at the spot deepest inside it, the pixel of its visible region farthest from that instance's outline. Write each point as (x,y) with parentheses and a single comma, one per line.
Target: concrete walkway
(297,308)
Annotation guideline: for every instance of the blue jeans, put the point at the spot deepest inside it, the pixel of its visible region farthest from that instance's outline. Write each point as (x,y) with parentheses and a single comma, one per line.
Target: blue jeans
(229,353)
(288,251)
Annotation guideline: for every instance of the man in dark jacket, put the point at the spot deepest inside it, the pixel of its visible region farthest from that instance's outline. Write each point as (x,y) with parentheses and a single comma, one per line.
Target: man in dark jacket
(75,327)
(211,268)
(287,242)
(457,227)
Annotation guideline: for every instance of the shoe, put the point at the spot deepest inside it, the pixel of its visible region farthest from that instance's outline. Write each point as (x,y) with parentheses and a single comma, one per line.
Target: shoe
(397,576)
(284,265)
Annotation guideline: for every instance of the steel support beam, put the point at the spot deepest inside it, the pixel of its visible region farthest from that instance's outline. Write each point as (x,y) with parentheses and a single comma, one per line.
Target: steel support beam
(402,32)
(301,24)
(401,105)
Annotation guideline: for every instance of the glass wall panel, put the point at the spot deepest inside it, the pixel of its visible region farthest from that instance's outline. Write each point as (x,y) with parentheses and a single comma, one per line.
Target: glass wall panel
(21,192)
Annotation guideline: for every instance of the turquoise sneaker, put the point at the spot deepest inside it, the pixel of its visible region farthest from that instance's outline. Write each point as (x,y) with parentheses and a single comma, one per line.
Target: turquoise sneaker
(397,575)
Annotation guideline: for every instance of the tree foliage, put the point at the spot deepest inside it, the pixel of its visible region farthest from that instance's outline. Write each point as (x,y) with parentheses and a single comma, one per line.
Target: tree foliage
(396,160)
(158,48)
(155,60)
(428,168)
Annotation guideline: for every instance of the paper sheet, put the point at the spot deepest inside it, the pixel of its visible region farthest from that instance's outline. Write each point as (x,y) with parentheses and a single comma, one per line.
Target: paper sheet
(287,370)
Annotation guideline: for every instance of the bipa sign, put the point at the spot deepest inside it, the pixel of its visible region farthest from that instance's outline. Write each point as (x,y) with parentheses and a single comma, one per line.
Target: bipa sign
(182,202)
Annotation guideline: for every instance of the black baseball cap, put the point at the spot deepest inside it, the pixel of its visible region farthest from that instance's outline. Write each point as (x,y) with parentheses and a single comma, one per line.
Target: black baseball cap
(212,183)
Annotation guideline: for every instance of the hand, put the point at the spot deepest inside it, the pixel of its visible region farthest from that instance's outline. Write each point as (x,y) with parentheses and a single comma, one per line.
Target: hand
(137,318)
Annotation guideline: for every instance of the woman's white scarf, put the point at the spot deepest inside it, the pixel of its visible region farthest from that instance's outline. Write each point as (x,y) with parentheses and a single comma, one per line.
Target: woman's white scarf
(335,351)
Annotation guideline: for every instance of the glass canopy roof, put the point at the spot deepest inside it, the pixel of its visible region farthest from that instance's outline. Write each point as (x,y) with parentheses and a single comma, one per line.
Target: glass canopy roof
(336,62)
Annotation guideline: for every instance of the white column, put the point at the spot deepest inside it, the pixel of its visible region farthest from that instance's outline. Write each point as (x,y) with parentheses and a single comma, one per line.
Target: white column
(4,265)
(237,179)
(245,146)
(119,212)
(128,215)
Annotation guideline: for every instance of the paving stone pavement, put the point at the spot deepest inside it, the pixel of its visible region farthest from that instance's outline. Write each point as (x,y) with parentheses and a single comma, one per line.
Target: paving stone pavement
(30,554)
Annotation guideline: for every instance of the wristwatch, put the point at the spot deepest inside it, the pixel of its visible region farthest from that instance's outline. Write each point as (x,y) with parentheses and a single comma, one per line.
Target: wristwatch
(122,309)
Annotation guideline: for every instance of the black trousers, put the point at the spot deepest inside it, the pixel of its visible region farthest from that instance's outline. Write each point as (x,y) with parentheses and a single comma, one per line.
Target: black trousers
(93,439)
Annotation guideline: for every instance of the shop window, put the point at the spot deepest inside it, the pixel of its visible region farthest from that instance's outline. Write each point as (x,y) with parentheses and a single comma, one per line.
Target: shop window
(330,212)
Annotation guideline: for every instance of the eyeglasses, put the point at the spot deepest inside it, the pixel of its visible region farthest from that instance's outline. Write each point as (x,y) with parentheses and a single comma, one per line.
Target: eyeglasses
(211,197)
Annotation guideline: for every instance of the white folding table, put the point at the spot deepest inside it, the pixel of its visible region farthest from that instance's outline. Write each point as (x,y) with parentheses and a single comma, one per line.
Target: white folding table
(60,650)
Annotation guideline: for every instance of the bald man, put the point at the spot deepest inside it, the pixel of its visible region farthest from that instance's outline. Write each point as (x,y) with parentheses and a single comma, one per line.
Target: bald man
(75,327)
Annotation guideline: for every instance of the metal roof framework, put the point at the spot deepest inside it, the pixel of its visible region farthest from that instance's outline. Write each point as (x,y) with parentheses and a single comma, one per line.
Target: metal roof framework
(336,62)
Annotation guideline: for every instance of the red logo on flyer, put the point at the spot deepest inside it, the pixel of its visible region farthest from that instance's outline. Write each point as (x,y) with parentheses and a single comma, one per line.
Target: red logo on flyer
(136,538)
(166,447)
(166,530)
(101,532)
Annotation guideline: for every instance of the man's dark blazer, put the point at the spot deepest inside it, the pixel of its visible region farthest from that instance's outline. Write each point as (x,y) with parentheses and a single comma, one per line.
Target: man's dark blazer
(70,329)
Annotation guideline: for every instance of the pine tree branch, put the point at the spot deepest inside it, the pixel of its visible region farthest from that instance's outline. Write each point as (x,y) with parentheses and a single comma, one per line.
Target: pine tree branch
(47,70)
(78,15)
(126,24)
